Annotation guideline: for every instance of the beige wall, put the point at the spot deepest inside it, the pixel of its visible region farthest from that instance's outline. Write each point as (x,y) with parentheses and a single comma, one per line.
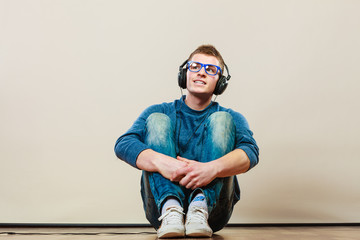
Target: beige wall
(74,75)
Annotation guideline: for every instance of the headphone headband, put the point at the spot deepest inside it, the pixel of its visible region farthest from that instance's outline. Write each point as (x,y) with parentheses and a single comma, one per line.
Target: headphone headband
(182,65)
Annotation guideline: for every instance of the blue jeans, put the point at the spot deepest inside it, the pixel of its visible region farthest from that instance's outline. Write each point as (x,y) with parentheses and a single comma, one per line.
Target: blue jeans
(218,140)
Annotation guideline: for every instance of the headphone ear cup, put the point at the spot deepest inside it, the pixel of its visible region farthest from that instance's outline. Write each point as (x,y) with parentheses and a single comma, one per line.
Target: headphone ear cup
(182,78)
(220,85)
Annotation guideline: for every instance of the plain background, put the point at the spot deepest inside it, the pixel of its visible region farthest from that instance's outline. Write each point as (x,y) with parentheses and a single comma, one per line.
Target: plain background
(75,74)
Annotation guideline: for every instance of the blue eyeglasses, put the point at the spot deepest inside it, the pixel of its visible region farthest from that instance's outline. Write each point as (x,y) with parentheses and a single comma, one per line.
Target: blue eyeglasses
(210,69)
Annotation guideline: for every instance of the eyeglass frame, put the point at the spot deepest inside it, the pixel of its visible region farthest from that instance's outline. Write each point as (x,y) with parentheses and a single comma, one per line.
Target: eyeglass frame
(203,65)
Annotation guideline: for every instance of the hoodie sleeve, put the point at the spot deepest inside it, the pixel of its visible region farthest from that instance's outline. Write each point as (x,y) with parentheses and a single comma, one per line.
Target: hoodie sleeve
(129,145)
(244,139)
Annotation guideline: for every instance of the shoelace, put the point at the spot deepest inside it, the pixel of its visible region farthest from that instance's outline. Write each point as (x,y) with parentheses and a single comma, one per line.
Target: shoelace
(172,215)
(197,215)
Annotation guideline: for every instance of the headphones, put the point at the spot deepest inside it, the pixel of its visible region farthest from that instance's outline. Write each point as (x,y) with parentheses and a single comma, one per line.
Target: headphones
(220,85)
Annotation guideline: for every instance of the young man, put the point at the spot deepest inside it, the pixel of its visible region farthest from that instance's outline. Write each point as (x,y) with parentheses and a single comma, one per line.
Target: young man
(190,151)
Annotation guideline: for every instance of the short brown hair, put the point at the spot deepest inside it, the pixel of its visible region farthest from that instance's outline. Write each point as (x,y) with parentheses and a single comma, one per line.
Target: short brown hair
(209,50)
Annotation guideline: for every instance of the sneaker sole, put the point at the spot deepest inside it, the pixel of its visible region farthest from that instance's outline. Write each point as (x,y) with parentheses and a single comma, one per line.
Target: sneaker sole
(171,234)
(198,234)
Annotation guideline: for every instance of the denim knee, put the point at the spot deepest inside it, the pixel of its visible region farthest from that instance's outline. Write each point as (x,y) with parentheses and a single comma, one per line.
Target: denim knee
(160,134)
(158,127)
(221,132)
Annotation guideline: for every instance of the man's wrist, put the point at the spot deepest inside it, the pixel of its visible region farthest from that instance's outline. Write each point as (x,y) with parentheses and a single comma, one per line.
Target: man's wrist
(216,167)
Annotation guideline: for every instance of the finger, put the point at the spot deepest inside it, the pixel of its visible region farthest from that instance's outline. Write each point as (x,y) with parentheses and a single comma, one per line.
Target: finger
(176,177)
(178,174)
(185,181)
(182,159)
(182,171)
(193,184)
(185,160)
(189,185)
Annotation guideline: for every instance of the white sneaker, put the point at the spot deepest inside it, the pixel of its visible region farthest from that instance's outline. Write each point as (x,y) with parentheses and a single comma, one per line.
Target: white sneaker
(172,224)
(196,224)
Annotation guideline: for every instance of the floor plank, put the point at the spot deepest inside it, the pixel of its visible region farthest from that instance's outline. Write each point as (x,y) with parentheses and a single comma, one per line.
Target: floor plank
(243,233)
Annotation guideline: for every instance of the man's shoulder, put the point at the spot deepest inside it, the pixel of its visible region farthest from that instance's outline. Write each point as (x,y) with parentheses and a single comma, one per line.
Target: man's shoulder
(165,107)
(237,116)
(229,110)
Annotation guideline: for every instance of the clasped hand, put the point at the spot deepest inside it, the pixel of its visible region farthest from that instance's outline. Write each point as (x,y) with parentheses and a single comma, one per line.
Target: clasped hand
(194,174)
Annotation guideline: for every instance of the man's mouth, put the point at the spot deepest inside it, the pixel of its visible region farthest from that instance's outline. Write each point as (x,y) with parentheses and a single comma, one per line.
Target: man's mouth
(199,82)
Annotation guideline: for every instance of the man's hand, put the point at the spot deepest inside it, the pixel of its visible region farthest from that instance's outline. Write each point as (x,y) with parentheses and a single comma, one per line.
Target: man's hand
(194,174)
(190,173)
(169,167)
(152,161)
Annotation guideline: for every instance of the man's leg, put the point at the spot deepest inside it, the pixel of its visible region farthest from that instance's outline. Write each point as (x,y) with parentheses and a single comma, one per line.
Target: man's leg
(223,207)
(155,189)
(222,193)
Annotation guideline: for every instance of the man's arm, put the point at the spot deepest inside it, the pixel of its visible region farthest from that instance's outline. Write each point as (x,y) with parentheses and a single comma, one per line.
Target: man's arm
(197,174)
(152,161)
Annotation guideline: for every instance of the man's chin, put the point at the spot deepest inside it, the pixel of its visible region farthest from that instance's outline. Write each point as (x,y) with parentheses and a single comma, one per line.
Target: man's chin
(200,94)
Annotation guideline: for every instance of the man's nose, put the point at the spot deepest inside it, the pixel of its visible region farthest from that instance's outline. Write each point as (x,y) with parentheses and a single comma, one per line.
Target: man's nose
(202,71)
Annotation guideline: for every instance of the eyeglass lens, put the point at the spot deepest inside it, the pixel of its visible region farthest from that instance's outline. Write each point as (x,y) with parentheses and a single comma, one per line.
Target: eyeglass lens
(209,69)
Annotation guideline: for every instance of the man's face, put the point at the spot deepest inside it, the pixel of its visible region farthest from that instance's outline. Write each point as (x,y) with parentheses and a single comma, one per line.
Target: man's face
(201,83)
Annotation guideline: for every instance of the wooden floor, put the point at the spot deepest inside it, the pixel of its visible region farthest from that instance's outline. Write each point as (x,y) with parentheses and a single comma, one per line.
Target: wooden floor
(243,233)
